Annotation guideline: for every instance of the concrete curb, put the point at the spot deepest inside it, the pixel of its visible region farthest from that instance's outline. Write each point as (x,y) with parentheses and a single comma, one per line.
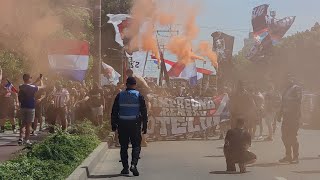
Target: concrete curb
(83,170)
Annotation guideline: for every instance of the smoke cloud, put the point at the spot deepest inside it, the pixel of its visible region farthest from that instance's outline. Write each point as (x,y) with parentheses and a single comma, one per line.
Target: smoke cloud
(25,25)
(205,50)
(164,13)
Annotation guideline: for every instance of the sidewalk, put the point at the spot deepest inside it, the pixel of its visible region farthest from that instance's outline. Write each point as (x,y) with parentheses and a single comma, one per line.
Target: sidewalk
(9,144)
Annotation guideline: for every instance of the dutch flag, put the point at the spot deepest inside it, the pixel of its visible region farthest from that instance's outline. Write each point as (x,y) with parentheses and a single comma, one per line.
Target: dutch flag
(69,58)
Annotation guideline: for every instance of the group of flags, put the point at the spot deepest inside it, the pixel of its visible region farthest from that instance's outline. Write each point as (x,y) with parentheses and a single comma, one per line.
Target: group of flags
(190,71)
(267,31)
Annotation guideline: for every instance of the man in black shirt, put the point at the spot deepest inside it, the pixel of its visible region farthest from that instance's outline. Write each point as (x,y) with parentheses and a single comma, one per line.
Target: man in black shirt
(236,146)
(96,99)
(290,113)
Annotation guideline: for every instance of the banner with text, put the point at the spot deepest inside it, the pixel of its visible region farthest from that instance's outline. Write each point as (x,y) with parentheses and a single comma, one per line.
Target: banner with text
(177,116)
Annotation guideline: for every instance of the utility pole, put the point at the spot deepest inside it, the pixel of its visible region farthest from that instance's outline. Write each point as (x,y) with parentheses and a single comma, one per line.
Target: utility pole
(97,63)
(163,69)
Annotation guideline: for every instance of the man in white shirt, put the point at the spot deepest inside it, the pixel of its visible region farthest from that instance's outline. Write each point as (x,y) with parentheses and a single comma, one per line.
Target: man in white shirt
(60,98)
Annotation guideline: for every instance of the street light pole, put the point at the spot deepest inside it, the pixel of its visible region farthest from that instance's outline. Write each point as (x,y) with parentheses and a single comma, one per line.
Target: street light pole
(97,42)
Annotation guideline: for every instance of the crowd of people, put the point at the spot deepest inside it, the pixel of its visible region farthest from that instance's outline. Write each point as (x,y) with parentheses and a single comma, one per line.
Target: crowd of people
(61,103)
(36,105)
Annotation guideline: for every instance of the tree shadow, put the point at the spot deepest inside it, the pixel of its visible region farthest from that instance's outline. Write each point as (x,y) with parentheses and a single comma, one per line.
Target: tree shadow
(107,176)
(214,156)
(226,172)
(309,158)
(307,172)
(273,164)
(9,144)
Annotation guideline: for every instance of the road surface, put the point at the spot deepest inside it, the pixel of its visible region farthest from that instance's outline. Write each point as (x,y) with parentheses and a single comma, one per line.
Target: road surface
(203,160)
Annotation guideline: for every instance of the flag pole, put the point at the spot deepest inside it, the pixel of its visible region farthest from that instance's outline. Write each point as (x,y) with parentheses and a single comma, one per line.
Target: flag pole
(145,64)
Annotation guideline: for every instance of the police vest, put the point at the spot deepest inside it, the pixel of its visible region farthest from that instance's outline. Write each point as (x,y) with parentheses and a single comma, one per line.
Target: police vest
(129,105)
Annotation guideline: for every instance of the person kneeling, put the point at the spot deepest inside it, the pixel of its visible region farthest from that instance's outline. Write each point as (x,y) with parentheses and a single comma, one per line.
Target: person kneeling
(237,143)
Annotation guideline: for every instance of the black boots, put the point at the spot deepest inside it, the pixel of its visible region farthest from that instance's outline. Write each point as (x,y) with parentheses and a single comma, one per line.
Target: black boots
(125,171)
(134,170)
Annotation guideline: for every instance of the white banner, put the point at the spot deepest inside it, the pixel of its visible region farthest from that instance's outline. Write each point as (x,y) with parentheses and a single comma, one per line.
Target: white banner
(137,62)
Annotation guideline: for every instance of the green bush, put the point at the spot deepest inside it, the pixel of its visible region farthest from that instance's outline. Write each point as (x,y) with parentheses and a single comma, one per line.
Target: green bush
(54,158)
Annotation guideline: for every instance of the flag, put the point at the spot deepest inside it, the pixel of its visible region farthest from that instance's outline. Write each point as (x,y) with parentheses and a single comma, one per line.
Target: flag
(170,63)
(222,111)
(259,19)
(137,61)
(109,75)
(9,86)
(223,45)
(69,58)
(267,31)
(279,28)
(260,32)
(121,23)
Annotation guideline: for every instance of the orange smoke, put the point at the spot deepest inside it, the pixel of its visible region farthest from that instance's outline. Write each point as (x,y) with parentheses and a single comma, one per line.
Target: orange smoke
(190,27)
(206,51)
(149,42)
(165,19)
(181,46)
(151,14)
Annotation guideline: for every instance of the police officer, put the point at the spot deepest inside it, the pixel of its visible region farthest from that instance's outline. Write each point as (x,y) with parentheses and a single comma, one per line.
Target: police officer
(290,112)
(129,111)
(144,89)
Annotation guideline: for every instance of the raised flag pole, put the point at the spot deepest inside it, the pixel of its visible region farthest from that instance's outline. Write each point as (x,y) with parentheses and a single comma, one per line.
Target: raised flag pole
(163,69)
(145,63)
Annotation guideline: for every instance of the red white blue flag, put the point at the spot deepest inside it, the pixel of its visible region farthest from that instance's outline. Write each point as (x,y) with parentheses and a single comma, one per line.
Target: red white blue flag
(10,87)
(69,58)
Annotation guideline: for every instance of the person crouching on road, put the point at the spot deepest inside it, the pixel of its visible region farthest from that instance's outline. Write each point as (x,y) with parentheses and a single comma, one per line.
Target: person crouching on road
(129,111)
(237,143)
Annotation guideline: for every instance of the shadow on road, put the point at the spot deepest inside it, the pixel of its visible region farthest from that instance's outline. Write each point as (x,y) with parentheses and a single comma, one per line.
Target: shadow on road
(214,156)
(307,172)
(269,164)
(225,172)
(107,176)
(6,145)
(309,158)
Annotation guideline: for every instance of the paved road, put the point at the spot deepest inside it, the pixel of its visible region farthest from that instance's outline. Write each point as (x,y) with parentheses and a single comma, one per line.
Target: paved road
(203,160)
(9,144)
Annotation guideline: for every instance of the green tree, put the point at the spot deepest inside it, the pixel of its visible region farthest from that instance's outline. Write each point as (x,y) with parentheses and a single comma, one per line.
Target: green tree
(11,65)
(297,54)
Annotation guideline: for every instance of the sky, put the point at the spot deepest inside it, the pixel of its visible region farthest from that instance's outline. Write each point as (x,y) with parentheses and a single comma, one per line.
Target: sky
(234,16)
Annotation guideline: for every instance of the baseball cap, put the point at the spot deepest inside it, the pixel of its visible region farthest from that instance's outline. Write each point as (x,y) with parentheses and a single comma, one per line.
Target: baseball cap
(131,81)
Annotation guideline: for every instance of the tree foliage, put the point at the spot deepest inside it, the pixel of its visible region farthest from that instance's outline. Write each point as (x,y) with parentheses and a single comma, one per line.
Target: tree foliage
(12,65)
(297,55)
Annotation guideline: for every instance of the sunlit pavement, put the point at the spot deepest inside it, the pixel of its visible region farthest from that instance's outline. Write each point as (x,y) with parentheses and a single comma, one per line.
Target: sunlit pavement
(9,144)
(202,160)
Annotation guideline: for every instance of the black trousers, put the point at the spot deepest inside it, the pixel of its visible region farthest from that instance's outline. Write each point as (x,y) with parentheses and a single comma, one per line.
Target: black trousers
(289,132)
(129,131)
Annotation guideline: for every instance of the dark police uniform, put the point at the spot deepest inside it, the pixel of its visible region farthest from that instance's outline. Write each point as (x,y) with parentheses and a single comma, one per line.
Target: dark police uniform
(291,113)
(129,112)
